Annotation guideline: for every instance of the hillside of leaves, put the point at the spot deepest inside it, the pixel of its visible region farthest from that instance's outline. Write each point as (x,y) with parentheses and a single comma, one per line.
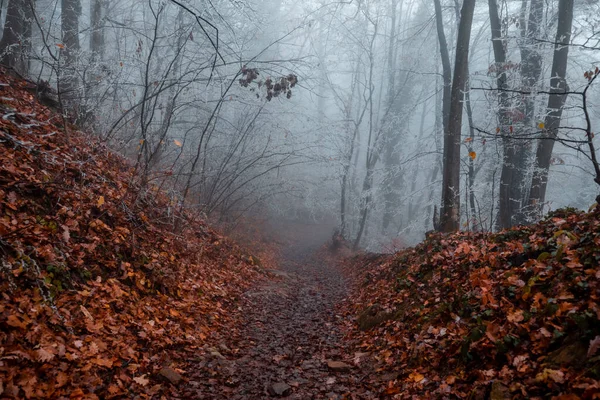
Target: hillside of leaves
(513,315)
(99,298)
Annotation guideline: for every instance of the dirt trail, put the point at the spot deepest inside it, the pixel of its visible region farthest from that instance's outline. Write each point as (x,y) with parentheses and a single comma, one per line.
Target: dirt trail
(290,332)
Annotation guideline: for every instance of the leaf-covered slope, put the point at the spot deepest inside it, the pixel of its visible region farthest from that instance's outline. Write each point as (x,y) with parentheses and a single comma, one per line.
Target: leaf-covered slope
(98,294)
(509,315)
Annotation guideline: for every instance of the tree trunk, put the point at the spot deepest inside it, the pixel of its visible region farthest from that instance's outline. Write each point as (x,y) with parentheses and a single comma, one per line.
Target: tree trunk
(509,198)
(392,179)
(364,213)
(473,221)
(556,101)
(69,81)
(446,67)
(531,71)
(450,215)
(97,15)
(16,37)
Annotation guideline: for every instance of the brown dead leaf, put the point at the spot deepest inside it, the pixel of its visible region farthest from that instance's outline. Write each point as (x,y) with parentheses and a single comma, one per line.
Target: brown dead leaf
(16,322)
(515,317)
(594,346)
(44,355)
(141,380)
(103,362)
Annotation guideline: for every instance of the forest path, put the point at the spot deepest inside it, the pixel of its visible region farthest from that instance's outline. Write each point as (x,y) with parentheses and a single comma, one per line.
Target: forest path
(287,342)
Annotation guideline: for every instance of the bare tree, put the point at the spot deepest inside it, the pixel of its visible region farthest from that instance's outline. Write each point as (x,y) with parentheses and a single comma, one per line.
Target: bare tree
(531,72)
(450,214)
(509,200)
(446,67)
(97,21)
(556,101)
(70,49)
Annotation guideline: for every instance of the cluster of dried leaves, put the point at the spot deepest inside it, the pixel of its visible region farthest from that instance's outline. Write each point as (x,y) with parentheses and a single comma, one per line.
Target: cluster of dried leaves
(274,87)
(98,295)
(513,315)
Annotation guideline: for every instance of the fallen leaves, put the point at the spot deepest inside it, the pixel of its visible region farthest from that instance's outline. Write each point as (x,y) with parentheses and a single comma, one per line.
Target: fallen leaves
(520,308)
(594,346)
(141,380)
(551,375)
(16,322)
(97,294)
(416,377)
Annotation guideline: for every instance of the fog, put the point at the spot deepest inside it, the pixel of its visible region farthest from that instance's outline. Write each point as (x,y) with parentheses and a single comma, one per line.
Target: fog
(324,113)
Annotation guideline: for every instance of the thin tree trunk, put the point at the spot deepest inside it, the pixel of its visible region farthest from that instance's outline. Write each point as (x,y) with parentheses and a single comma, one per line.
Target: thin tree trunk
(69,81)
(471,174)
(439,133)
(509,196)
(556,102)
(450,215)
(391,180)
(446,67)
(97,15)
(372,147)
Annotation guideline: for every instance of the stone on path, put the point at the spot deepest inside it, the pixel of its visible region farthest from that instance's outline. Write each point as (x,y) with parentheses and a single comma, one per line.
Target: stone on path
(280,389)
(171,375)
(338,366)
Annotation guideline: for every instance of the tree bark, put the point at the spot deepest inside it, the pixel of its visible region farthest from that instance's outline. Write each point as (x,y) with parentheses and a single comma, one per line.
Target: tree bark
(531,71)
(392,179)
(509,200)
(556,102)
(97,15)
(69,81)
(446,67)
(450,215)
(16,37)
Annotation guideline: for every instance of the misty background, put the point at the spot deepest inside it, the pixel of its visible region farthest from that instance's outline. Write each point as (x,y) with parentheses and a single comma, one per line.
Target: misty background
(320,111)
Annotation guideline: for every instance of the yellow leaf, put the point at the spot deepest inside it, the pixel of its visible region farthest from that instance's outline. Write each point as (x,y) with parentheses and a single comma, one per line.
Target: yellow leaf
(551,375)
(541,125)
(178,143)
(100,201)
(416,377)
(472,154)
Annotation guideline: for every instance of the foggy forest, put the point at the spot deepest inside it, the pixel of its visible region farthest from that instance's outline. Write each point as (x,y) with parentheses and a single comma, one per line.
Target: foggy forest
(335,111)
(416,147)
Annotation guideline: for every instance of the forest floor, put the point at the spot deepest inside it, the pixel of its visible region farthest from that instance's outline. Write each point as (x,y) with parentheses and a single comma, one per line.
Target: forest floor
(289,343)
(103,298)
